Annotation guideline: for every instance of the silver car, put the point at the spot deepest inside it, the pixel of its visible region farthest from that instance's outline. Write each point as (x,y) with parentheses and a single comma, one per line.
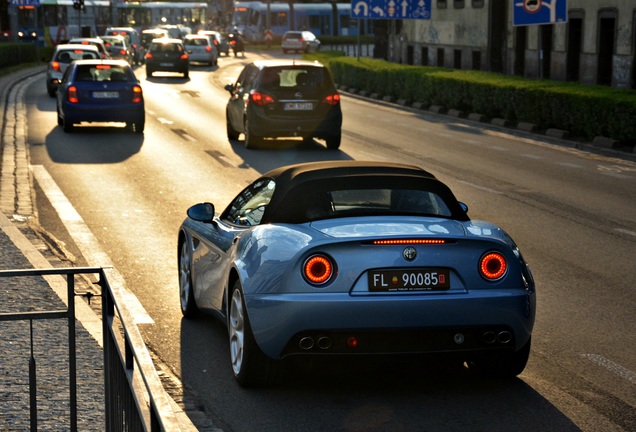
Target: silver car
(63,56)
(201,49)
(300,41)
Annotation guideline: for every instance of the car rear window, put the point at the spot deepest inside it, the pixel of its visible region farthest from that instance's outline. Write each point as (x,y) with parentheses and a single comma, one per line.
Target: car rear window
(375,201)
(68,56)
(293,35)
(197,42)
(166,47)
(295,77)
(112,73)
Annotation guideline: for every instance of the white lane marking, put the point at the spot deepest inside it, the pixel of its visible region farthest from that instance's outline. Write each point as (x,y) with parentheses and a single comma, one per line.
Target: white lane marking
(532,156)
(570,165)
(503,149)
(86,241)
(612,367)
(616,175)
(470,141)
(624,231)
(481,187)
(164,121)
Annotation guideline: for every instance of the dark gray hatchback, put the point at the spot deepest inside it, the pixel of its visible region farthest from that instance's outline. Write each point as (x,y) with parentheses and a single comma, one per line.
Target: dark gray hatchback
(167,55)
(284,98)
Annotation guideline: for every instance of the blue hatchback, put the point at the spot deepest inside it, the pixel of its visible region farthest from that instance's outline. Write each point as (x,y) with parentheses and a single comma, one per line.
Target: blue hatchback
(100,91)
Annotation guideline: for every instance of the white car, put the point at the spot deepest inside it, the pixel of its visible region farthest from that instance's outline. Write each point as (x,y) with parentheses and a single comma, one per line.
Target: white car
(201,49)
(300,41)
(62,57)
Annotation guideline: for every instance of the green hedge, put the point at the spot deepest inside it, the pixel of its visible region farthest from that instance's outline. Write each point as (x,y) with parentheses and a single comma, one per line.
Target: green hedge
(584,111)
(12,54)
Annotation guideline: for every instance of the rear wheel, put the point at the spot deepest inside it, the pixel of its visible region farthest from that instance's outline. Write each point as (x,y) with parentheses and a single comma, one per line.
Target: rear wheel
(251,367)
(333,142)
(67,126)
(188,305)
(501,365)
(60,121)
(186,74)
(252,140)
(232,134)
(148,73)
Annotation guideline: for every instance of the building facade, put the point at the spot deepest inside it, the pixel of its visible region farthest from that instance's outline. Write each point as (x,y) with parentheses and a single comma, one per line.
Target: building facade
(595,44)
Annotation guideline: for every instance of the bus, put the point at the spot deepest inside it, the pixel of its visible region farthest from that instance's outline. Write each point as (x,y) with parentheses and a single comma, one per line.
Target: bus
(331,19)
(51,22)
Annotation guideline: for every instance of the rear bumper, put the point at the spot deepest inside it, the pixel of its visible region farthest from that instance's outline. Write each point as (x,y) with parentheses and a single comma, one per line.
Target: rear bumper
(156,66)
(76,113)
(274,127)
(392,324)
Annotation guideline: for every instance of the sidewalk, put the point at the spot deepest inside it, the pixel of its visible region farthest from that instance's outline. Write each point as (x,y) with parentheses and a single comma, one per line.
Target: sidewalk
(20,248)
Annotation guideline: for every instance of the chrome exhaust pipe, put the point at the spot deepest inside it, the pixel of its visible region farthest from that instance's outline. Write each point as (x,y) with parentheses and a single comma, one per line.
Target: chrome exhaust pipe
(306,343)
(504,337)
(324,343)
(489,337)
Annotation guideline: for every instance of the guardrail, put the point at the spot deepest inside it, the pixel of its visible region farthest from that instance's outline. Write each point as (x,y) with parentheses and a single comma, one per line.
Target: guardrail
(135,399)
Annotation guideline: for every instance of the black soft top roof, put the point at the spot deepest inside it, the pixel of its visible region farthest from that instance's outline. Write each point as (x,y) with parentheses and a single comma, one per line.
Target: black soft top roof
(296,183)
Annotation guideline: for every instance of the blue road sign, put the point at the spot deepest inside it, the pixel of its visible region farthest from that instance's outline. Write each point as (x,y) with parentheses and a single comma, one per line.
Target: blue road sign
(391,9)
(535,12)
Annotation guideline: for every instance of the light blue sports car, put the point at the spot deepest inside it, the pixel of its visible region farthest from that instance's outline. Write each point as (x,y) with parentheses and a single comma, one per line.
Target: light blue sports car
(351,258)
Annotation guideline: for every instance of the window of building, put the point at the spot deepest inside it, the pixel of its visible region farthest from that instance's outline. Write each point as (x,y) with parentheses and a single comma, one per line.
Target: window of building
(441,4)
(477,4)
(458,4)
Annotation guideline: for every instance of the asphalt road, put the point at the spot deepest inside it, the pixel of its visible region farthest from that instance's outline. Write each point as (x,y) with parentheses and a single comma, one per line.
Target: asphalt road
(572,214)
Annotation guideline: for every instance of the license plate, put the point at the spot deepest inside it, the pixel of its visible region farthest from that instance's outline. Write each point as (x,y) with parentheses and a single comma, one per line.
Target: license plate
(298,106)
(166,64)
(106,95)
(423,279)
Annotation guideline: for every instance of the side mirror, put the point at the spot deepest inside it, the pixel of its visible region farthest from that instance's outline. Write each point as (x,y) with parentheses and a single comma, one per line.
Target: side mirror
(229,87)
(464,207)
(203,212)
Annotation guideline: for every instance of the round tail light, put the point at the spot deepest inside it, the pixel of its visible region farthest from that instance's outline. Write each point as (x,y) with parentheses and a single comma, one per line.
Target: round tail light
(493,266)
(318,269)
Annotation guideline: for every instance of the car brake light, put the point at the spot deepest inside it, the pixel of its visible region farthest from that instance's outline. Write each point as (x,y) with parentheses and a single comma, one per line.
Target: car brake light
(493,266)
(261,99)
(208,48)
(138,95)
(318,269)
(71,94)
(332,99)
(56,66)
(148,56)
(184,56)
(122,52)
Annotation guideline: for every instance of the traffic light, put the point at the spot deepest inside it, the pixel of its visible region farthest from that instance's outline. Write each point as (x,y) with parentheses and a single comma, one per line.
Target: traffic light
(78,4)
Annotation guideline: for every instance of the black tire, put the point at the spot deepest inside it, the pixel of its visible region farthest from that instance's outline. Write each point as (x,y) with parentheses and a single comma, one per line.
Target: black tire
(189,307)
(186,74)
(250,366)
(501,365)
(67,126)
(252,140)
(52,92)
(139,127)
(232,134)
(60,120)
(148,74)
(333,142)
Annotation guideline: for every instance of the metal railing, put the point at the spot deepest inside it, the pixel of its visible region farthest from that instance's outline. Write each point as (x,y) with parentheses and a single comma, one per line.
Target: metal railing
(135,399)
